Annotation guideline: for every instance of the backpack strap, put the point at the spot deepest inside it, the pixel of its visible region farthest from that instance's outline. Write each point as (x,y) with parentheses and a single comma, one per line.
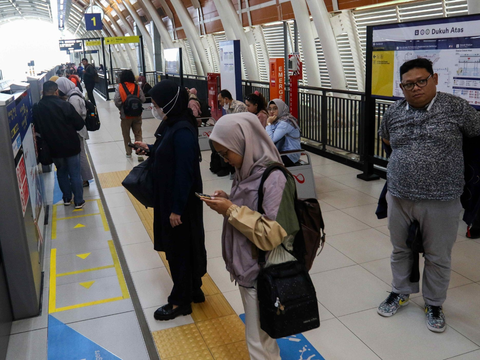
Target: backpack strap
(136,90)
(266,173)
(125,89)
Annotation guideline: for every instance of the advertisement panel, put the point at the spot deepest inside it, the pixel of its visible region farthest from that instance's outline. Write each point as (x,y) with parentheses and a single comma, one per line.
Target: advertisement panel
(230,67)
(277,78)
(452,44)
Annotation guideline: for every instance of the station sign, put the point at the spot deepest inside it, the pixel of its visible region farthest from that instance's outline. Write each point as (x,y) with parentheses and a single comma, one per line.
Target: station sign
(122,40)
(93,22)
(93,43)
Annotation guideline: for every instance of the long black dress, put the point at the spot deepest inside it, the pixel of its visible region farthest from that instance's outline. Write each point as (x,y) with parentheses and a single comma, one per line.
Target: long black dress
(177,178)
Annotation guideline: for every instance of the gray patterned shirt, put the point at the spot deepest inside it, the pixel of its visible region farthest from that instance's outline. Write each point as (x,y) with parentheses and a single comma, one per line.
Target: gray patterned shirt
(427,158)
(236,107)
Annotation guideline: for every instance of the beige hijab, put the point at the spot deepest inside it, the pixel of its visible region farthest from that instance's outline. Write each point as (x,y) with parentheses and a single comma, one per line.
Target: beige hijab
(243,134)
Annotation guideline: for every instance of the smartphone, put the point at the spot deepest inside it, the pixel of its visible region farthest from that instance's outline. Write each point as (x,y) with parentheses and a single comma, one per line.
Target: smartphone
(200,195)
(134,146)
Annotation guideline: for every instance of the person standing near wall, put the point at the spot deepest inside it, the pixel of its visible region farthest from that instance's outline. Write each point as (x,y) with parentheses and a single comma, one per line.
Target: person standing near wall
(425,177)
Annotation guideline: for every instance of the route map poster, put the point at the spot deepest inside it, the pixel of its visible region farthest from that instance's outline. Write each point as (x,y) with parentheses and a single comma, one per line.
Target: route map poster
(452,44)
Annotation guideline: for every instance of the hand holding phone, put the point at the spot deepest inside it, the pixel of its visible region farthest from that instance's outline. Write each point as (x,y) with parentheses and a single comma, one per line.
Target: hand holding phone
(133,146)
(200,195)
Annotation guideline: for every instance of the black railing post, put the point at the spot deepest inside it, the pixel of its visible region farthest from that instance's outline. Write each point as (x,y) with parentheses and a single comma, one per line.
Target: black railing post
(248,89)
(324,119)
(105,74)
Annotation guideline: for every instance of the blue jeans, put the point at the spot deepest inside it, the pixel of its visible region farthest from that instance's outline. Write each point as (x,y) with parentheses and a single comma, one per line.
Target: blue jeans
(69,178)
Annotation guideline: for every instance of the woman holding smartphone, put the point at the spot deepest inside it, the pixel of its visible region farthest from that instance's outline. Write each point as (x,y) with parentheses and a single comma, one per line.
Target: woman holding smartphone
(178,213)
(245,230)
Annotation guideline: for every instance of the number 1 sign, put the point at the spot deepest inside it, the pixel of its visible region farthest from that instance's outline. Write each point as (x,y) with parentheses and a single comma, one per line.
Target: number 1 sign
(93,21)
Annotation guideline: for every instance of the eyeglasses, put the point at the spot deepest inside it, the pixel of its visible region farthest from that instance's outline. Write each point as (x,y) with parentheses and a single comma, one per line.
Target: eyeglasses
(420,83)
(223,155)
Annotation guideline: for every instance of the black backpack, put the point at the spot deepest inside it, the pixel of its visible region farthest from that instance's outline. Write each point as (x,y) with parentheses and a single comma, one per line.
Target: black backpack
(311,235)
(132,105)
(92,121)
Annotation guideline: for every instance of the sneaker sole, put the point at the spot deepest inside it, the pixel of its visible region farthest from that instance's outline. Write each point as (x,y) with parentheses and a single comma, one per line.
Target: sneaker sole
(393,313)
(80,206)
(436,330)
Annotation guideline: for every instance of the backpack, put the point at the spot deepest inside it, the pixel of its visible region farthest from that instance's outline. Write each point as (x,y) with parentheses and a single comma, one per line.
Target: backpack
(311,235)
(204,109)
(132,106)
(92,121)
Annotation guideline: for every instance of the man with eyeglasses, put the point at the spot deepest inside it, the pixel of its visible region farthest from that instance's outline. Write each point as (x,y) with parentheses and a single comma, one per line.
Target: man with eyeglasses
(425,179)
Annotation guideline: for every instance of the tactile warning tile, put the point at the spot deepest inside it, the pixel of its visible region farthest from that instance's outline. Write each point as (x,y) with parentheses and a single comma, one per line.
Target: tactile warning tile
(112,179)
(234,351)
(221,331)
(215,306)
(191,357)
(181,341)
(208,286)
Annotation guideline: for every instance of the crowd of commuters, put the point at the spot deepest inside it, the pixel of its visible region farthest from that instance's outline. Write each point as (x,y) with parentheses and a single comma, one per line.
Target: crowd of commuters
(424,131)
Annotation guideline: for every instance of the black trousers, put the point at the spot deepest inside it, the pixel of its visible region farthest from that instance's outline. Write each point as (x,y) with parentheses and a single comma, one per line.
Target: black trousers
(90,88)
(287,162)
(185,281)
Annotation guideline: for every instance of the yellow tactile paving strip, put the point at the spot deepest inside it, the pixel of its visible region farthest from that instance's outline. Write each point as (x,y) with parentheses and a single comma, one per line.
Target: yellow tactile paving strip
(217,332)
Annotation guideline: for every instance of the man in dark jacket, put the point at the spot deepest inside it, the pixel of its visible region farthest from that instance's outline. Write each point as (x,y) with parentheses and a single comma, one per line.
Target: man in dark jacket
(89,77)
(58,122)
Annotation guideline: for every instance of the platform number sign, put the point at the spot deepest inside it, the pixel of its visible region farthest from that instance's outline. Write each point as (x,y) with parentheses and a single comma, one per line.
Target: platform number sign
(93,21)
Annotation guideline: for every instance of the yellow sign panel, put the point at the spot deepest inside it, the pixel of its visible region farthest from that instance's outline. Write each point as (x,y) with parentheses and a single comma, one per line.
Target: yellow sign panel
(122,40)
(382,73)
(93,43)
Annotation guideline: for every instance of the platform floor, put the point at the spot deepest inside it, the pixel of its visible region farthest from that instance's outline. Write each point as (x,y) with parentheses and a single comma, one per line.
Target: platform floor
(103,280)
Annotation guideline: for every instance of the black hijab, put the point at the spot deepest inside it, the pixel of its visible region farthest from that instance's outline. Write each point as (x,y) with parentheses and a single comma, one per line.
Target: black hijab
(163,93)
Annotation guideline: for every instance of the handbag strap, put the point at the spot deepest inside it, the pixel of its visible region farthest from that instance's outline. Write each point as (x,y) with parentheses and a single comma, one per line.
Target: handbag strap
(266,173)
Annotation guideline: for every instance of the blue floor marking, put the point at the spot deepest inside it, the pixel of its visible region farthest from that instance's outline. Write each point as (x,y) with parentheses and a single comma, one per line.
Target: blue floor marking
(64,343)
(57,193)
(295,347)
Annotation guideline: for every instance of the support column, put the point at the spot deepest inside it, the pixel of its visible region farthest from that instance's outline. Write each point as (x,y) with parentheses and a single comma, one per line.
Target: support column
(121,52)
(201,61)
(302,18)
(231,21)
(129,50)
(141,26)
(355,48)
(166,38)
(321,18)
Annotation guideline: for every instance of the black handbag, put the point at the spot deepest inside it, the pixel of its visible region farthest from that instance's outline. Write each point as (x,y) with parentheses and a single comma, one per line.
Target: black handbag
(286,295)
(139,182)
(287,298)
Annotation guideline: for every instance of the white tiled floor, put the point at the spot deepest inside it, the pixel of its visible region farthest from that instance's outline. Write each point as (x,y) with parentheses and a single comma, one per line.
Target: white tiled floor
(352,275)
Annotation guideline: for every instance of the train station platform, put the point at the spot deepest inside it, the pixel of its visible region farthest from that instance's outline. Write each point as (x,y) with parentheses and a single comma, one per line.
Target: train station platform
(103,280)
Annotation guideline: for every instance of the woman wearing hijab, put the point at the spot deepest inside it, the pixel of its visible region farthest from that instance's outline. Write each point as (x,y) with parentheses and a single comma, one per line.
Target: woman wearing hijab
(178,213)
(245,230)
(69,92)
(283,129)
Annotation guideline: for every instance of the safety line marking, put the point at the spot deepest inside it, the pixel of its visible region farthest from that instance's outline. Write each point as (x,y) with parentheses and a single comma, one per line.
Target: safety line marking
(54,222)
(102,214)
(53,281)
(118,269)
(86,270)
(52,298)
(77,216)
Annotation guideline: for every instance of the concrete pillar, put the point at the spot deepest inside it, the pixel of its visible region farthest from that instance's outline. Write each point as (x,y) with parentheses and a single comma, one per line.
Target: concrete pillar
(147,39)
(355,48)
(302,18)
(166,38)
(201,61)
(321,18)
(130,53)
(231,23)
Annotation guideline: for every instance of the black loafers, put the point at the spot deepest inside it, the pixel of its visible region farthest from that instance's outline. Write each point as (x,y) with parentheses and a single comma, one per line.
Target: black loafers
(167,312)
